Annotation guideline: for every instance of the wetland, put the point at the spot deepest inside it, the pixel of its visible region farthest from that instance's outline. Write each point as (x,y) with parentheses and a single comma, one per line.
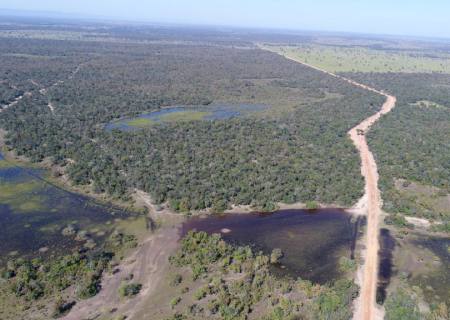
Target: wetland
(311,241)
(185,113)
(40,219)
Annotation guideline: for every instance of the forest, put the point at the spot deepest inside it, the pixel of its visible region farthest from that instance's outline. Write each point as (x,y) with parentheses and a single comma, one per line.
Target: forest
(412,142)
(298,151)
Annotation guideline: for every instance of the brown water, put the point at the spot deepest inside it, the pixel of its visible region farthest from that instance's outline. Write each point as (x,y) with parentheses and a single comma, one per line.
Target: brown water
(312,240)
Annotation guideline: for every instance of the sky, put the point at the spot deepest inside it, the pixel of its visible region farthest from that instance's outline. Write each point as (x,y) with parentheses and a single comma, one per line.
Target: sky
(398,17)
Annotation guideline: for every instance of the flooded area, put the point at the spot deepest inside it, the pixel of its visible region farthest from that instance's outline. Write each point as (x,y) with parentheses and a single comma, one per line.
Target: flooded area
(312,241)
(37,218)
(186,113)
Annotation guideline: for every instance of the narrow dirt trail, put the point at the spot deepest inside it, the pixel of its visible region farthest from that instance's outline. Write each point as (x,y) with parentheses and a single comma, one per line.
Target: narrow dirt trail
(365,306)
(42,91)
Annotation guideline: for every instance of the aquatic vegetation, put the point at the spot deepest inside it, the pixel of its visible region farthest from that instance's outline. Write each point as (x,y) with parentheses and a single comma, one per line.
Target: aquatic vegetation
(23,196)
(38,219)
(185,116)
(137,226)
(4,164)
(139,122)
(186,113)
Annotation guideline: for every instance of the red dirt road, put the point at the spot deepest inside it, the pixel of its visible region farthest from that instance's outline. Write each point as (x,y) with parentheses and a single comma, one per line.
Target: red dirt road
(365,306)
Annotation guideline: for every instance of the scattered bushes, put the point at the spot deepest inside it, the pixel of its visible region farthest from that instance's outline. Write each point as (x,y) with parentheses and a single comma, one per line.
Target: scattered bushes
(400,305)
(238,280)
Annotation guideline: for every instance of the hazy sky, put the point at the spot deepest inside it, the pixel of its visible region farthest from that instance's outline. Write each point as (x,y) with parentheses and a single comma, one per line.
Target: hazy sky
(408,17)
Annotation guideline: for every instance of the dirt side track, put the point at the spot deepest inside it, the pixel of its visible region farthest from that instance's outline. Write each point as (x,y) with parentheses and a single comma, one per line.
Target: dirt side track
(365,306)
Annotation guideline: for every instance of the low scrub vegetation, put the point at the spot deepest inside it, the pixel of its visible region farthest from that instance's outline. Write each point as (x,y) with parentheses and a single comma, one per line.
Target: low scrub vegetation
(237,281)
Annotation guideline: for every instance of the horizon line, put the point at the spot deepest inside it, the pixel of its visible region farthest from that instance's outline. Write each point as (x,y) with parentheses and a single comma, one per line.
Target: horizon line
(46,14)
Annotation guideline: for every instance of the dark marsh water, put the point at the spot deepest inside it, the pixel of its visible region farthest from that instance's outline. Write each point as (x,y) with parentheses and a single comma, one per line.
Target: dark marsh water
(33,213)
(385,269)
(312,240)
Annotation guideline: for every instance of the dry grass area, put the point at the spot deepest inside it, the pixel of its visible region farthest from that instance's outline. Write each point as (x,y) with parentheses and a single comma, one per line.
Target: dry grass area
(429,197)
(363,59)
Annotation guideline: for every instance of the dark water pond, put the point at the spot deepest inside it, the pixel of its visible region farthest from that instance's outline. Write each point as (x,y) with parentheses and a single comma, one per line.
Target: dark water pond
(312,240)
(210,112)
(385,270)
(33,213)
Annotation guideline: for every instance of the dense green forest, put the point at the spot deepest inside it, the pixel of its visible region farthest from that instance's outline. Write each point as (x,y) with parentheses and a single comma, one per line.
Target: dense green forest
(296,151)
(412,142)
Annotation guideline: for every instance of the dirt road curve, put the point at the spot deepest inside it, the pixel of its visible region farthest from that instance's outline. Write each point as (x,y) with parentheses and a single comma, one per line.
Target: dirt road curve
(365,307)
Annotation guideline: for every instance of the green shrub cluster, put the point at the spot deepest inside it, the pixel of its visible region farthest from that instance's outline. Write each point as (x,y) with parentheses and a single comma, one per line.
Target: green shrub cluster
(209,257)
(34,279)
(130,289)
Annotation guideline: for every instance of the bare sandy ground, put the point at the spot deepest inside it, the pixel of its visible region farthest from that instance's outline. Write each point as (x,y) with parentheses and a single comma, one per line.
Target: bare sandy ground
(365,306)
(419,222)
(147,264)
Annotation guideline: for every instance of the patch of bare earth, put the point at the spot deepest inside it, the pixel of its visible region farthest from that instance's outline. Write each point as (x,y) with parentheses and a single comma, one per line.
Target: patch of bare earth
(147,265)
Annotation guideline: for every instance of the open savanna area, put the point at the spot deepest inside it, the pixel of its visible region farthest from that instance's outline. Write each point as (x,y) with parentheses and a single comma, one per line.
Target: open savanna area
(347,58)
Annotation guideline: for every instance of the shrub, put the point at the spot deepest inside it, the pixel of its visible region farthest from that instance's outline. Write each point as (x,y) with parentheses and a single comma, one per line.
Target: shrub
(175,301)
(129,290)
(276,255)
(312,205)
(400,305)
(176,280)
(62,307)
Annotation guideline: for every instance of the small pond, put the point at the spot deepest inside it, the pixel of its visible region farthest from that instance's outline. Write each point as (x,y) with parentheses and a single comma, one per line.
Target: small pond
(312,240)
(185,113)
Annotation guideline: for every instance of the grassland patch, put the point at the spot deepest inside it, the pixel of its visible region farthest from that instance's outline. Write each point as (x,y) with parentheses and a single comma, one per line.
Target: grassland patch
(184,116)
(140,122)
(359,59)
